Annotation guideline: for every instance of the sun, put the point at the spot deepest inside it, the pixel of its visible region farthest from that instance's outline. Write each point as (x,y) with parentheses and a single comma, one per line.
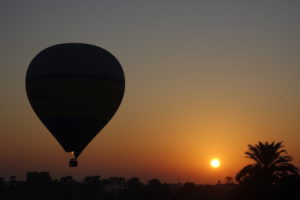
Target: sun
(215,163)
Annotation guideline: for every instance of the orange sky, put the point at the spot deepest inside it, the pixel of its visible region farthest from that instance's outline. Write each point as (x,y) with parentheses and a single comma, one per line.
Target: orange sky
(203,80)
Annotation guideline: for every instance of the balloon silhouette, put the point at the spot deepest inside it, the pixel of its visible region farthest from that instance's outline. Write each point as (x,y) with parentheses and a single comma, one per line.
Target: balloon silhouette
(75,89)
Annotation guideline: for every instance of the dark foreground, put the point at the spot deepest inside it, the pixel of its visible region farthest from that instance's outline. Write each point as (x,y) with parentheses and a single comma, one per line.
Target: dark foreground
(41,186)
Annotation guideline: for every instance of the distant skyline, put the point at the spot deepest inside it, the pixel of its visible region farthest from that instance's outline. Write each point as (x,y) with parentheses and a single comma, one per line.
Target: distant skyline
(203,80)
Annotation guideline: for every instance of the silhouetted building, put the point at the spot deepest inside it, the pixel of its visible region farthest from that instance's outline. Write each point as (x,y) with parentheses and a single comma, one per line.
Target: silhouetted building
(32,178)
(66,179)
(38,178)
(12,180)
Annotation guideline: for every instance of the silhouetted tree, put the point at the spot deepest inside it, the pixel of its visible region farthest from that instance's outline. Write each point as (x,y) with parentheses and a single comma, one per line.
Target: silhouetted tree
(134,183)
(155,190)
(272,164)
(188,191)
(134,190)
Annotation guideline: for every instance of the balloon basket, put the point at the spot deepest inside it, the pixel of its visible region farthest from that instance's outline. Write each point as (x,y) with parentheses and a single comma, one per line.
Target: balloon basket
(73,162)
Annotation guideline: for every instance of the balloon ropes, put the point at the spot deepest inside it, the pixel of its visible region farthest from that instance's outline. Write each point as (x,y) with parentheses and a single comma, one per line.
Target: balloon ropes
(75,89)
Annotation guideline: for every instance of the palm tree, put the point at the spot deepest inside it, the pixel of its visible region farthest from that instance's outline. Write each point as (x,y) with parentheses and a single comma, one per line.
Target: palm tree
(271,164)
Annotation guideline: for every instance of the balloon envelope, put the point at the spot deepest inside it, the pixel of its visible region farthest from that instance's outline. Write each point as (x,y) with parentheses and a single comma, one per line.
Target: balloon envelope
(75,89)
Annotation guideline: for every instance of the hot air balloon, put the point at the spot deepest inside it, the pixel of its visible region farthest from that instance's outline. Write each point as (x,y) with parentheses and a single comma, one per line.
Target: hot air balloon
(75,89)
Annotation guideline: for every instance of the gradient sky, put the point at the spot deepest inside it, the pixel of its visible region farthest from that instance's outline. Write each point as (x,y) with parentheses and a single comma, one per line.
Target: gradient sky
(203,80)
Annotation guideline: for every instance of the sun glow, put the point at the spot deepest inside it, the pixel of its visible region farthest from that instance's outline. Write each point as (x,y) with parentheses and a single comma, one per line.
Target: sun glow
(215,163)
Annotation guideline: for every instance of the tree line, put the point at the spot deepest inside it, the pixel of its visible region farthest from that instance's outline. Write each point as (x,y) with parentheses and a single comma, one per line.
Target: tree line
(272,176)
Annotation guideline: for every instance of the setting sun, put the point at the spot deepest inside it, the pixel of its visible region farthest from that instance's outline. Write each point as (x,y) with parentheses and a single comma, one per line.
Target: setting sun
(215,163)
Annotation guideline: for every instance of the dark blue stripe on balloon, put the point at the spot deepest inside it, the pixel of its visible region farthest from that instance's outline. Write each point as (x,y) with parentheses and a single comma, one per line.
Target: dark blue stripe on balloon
(74,76)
